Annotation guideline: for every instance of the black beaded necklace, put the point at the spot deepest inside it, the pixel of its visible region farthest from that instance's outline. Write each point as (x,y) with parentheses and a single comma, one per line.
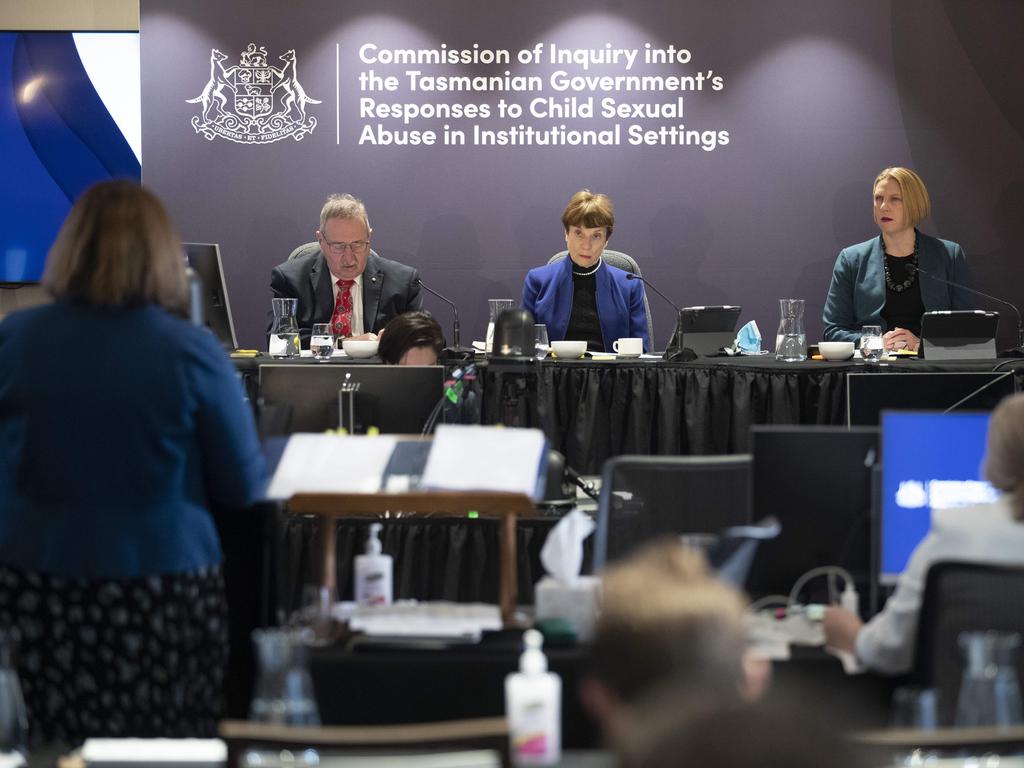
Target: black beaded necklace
(909,280)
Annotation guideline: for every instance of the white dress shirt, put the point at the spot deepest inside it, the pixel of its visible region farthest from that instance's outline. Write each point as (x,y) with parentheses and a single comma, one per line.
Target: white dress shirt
(984,534)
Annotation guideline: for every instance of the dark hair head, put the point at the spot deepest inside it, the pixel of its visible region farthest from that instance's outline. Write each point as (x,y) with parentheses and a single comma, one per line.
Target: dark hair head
(117,247)
(406,331)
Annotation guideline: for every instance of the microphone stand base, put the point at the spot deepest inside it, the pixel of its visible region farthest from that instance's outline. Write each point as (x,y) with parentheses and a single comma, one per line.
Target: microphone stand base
(457,354)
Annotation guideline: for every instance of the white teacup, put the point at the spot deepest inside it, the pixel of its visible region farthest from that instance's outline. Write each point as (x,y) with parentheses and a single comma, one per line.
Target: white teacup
(628,347)
(569,350)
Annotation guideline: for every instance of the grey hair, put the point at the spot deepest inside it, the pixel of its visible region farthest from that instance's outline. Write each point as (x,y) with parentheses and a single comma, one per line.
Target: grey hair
(344,207)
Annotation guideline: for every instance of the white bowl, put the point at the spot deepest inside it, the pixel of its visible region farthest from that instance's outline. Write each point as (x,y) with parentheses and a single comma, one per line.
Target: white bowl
(359,347)
(836,350)
(569,350)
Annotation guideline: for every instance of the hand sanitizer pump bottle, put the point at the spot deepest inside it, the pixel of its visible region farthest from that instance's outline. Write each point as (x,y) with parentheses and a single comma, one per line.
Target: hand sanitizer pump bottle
(373,572)
(533,705)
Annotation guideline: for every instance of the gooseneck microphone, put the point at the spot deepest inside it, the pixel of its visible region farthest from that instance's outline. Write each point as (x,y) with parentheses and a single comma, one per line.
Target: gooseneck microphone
(456,351)
(1019,350)
(675,352)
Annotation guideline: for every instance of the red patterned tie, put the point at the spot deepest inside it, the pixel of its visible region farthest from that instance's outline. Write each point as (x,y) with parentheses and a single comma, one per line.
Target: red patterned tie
(341,320)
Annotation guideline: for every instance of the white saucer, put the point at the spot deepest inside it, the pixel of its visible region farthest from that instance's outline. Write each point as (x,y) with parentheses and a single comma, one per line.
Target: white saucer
(628,355)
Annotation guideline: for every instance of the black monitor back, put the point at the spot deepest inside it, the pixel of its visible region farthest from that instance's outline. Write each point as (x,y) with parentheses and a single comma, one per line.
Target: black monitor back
(868,394)
(397,399)
(817,482)
(204,258)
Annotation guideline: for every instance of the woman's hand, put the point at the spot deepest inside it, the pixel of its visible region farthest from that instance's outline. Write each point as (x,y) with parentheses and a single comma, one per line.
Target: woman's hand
(841,628)
(900,338)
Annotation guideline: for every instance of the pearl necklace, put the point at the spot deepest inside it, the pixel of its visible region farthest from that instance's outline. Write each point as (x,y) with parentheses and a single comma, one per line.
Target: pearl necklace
(589,272)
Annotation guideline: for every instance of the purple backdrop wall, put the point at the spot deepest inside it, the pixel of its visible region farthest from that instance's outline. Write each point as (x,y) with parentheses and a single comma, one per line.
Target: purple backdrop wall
(815,96)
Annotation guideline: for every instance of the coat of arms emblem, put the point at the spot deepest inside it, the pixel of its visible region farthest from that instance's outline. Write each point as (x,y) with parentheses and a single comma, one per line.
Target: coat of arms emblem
(254,102)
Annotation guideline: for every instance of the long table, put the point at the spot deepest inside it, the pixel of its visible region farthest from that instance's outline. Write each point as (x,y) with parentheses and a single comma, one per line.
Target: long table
(593,410)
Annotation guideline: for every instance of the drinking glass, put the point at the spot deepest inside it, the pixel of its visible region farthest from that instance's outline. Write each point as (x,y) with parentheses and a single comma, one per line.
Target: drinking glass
(871,343)
(284,333)
(494,308)
(540,339)
(321,343)
(13,717)
(989,691)
(283,693)
(914,707)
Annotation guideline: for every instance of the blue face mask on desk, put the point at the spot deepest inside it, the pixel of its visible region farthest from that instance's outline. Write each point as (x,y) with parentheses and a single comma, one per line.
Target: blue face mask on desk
(748,340)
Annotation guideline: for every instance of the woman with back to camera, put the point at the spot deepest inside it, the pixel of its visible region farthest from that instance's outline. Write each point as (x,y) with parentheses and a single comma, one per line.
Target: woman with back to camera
(411,338)
(877,282)
(985,533)
(114,442)
(581,298)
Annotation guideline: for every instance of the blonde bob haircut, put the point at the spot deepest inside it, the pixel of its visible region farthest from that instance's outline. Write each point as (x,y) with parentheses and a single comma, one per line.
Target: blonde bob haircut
(1003,465)
(916,203)
(588,210)
(118,248)
(344,207)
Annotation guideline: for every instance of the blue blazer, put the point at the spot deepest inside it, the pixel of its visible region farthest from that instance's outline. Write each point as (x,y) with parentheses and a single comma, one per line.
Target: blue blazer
(548,294)
(113,449)
(856,295)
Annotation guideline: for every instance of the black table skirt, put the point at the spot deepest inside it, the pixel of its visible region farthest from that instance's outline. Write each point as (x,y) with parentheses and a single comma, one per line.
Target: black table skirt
(591,411)
(435,558)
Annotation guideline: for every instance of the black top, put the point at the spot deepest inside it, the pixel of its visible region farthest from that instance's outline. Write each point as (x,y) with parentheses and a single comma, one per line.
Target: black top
(584,324)
(904,308)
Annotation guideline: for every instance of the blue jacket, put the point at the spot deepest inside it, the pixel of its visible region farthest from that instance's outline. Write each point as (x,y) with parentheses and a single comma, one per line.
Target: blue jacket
(856,296)
(548,294)
(118,427)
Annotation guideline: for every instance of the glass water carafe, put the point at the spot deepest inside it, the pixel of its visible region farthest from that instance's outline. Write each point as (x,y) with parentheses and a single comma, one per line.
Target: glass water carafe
(284,689)
(791,339)
(13,716)
(989,690)
(284,332)
(495,307)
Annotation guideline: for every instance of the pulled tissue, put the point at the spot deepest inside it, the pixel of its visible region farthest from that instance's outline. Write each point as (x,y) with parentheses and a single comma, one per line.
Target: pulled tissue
(562,553)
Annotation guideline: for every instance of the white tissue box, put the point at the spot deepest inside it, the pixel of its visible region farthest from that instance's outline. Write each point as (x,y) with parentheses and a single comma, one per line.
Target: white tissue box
(576,603)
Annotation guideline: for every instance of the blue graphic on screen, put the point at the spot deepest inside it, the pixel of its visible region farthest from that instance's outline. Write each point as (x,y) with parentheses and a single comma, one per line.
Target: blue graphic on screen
(58,138)
(929,460)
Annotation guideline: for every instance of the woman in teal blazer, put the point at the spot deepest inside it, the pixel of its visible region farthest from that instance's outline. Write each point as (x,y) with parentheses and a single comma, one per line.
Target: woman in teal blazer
(893,279)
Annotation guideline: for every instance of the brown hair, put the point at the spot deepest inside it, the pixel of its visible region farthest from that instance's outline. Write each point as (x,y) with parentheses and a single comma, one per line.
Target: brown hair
(916,203)
(344,207)
(1003,465)
(117,247)
(586,209)
(664,616)
(408,330)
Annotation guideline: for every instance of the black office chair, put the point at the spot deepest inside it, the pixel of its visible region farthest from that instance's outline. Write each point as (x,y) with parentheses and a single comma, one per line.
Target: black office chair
(643,497)
(626,263)
(962,597)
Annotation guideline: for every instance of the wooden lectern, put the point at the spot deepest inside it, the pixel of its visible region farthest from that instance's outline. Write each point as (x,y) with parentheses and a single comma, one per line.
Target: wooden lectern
(330,507)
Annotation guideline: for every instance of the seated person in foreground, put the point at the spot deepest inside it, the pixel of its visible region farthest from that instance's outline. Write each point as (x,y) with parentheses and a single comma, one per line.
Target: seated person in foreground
(666,625)
(987,533)
(581,298)
(412,338)
(341,281)
(877,282)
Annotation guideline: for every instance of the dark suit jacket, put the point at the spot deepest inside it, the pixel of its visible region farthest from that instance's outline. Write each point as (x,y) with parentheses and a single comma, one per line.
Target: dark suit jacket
(856,296)
(548,294)
(389,289)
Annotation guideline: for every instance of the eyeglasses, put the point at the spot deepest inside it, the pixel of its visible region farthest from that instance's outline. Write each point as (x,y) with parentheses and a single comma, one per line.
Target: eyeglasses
(358,248)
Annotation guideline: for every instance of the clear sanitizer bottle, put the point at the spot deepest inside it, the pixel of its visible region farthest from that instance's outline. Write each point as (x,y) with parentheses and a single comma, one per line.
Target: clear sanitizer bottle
(373,572)
(533,705)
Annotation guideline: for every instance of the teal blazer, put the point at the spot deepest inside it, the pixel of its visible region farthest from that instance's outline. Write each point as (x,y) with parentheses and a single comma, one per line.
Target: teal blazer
(856,295)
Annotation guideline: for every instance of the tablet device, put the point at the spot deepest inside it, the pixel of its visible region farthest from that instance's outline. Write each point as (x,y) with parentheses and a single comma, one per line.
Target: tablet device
(707,329)
(959,335)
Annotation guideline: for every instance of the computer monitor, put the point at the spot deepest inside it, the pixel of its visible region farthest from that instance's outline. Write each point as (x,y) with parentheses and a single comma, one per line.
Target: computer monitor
(868,394)
(397,399)
(817,482)
(204,258)
(929,460)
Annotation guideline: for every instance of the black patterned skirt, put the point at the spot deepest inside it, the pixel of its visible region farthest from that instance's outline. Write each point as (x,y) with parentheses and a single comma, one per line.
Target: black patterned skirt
(138,657)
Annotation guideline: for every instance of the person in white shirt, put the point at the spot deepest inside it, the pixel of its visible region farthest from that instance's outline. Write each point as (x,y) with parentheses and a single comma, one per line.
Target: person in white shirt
(986,533)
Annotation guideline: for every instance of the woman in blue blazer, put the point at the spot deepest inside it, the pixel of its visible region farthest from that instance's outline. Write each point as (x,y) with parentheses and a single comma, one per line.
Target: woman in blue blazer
(121,423)
(582,298)
(877,282)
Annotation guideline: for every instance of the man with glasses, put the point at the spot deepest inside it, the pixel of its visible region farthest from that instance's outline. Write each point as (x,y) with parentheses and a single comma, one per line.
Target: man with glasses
(340,280)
